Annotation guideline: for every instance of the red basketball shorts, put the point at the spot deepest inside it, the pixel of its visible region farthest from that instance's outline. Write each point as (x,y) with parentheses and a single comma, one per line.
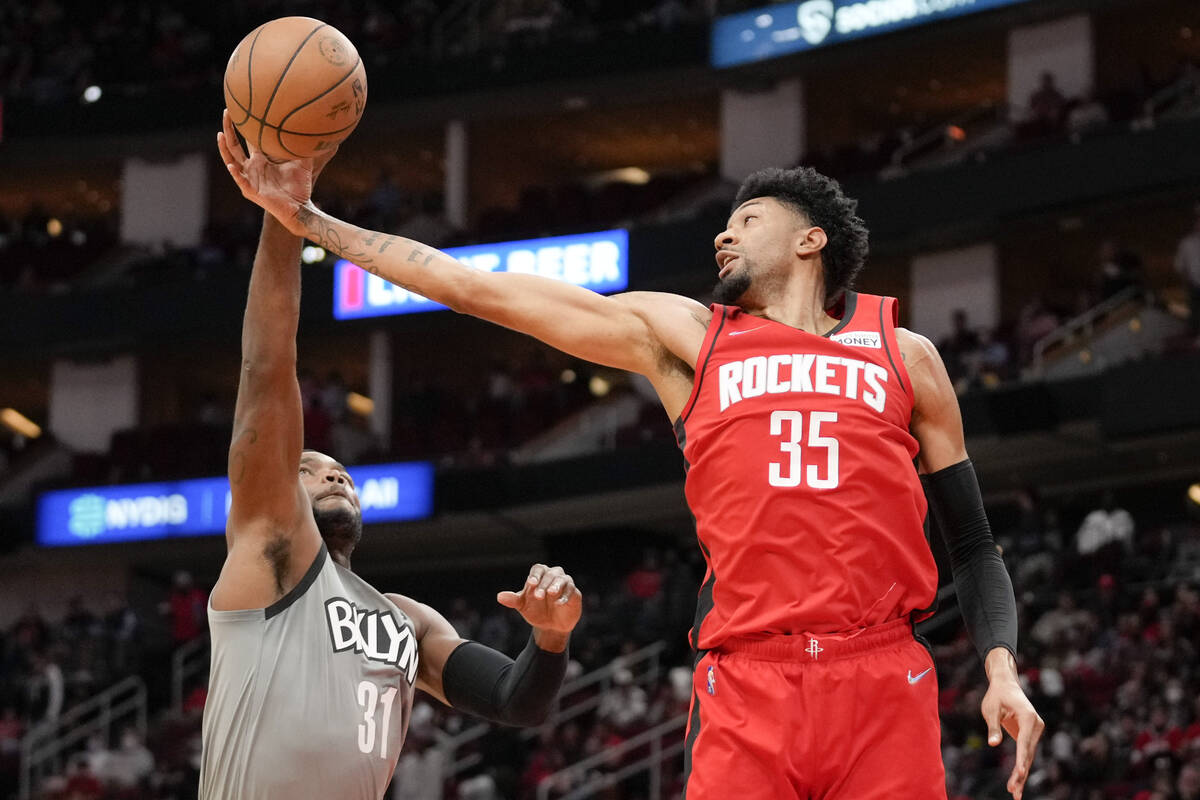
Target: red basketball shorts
(816,717)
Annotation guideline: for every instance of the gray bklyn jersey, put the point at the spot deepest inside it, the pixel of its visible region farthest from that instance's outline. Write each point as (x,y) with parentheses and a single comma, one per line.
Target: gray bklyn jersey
(311,697)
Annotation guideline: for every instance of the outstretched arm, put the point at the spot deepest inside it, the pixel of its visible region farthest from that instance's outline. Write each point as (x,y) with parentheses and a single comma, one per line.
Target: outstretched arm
(270,534)
(485,682)
(639,331)
(984,589)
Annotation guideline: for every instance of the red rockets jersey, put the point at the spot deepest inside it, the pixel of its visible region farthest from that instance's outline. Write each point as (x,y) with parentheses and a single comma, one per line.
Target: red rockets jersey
(800,474)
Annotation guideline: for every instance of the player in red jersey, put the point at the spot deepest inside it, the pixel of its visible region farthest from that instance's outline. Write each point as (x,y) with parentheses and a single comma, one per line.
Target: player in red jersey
(800,407)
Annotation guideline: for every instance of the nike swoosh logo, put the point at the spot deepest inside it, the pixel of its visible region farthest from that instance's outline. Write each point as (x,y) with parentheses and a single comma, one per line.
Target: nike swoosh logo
(751,330)
(914,678)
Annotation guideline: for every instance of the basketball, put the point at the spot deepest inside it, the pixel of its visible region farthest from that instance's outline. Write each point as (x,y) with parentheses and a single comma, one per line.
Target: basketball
(295,86)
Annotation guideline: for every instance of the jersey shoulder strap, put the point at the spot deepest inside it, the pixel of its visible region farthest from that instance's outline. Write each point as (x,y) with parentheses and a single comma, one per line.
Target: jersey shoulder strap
(720,318)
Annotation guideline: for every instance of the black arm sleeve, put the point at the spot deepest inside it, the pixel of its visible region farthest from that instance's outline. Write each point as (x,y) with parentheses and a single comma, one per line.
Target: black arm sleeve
(985,592)
(489,684)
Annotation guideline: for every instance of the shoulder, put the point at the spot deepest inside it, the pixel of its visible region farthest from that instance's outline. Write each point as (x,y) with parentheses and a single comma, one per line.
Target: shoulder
(930,382)
(916,350)
(421,615)
(675,306)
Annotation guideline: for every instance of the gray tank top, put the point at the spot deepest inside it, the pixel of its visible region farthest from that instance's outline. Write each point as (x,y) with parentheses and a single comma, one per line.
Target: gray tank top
(311,697)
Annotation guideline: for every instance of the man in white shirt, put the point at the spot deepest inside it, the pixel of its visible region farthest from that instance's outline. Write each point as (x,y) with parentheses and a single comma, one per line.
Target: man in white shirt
(1187,263)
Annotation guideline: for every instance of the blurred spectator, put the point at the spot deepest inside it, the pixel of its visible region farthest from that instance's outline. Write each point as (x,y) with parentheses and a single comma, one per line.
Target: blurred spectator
(1034,322)
(959,347)
(1105,526)
(1187,264)
(186,608)
(130,765)
(1119,269)
(30,632)
(124,632)
(1047,107)
(79,620)
(1087,114)
(45,690)
(82,781)
(624,704)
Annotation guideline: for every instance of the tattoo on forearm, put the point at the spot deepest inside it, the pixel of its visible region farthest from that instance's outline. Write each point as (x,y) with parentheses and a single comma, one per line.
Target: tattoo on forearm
(327,235)
(237,455)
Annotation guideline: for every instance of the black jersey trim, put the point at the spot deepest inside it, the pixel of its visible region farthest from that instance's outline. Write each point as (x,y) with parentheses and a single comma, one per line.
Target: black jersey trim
(702,367)
(883,335)
(310,577)
(693,731)
(847,314)
(681,440)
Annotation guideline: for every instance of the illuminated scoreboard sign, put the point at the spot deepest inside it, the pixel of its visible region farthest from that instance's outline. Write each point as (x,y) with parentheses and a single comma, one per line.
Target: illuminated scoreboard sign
(596,261)
(777,30)
(386,492)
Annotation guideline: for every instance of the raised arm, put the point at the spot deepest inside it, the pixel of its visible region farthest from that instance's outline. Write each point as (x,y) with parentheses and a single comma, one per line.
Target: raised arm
(270,534)
(984,589)
(645,332)
(485,682)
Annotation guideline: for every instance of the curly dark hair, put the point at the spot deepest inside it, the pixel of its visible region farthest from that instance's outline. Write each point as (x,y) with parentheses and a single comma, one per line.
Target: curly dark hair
(820,199)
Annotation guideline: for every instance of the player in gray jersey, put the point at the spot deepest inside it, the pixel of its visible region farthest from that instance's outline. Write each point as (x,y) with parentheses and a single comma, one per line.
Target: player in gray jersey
(313,670)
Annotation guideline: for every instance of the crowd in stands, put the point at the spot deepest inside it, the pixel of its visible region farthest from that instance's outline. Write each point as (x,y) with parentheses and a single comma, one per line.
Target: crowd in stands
(51,50)
(1109,601)
(47,668)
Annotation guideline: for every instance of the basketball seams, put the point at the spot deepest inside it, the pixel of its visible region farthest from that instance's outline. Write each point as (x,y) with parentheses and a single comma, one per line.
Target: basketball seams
(280,130)
(339,82)
(279,82)
(249,76)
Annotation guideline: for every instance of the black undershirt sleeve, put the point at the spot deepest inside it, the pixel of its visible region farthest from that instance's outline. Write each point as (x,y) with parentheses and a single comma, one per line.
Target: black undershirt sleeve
(489,684)
(985,592)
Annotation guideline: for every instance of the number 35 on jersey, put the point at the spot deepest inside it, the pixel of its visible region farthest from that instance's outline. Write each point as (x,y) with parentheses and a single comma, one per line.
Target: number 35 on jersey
(810,452)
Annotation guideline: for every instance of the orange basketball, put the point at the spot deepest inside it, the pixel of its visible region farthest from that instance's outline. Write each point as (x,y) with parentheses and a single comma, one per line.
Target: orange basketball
(294,87)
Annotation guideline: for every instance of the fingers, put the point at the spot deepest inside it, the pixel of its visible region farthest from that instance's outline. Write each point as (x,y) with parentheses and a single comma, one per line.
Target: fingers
(509,599)
(554,583)
(991,715)
(232,143)
(544,582)
(1029,731)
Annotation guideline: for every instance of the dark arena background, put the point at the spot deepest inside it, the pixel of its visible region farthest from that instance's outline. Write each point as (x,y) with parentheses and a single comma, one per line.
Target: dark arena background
(1030,174)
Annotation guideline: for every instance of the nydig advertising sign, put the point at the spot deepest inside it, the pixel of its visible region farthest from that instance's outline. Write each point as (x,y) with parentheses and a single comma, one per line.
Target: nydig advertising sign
(773,31)
(596,261)
(100,515)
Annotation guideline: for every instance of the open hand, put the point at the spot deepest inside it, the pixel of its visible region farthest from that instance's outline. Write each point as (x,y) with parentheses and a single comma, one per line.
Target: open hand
(548,601)
(1006,706)
(280,187)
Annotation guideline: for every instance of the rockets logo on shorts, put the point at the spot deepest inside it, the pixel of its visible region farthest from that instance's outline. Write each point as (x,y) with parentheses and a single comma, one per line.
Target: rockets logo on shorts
(375,634)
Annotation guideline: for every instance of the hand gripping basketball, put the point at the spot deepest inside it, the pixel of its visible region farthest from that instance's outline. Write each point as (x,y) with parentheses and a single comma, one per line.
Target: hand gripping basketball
(279,188)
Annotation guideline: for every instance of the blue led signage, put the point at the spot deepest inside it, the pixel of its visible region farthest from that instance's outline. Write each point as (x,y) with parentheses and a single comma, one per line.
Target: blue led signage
(777,30)
(387,493)
(596,261)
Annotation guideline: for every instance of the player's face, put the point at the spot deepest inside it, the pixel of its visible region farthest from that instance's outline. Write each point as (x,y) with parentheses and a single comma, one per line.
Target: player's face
(754,251)
(334,499)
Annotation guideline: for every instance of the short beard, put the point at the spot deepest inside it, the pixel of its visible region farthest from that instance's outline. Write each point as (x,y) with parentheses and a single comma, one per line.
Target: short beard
(341,528)
(730,290)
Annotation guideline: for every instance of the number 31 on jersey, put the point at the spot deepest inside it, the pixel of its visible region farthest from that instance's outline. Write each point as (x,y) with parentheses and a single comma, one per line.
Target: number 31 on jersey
(789,426)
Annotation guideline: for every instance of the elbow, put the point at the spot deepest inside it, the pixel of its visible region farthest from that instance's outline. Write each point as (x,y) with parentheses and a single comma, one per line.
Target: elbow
(529,718)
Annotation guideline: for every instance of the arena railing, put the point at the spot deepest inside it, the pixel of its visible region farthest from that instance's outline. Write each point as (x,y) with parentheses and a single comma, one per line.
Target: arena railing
(1083,326)
(645,664)
(44,746)
(189,660)
(578,772)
